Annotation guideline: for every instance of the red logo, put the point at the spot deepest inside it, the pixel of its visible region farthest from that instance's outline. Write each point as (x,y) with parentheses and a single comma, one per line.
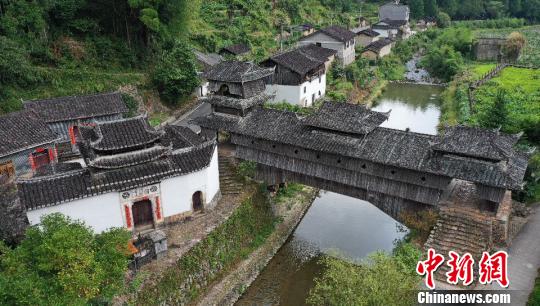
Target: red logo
(461,268)
(491,268)
(494,268)
(429,266)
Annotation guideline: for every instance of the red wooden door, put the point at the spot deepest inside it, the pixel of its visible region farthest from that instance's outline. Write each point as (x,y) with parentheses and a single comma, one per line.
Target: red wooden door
(143,217)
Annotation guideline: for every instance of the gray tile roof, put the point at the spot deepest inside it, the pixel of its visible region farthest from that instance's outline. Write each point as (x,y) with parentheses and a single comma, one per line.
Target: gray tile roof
(476,142)
(237,49)
(320,53)
(382,145)
(394,11)
(338,33)
(346,117)
(23,130)
(376,46)
(78,107)
(119,172)
(237,72)
(368,32)
(208,59)
(236,103)
(120,134)
(298,61)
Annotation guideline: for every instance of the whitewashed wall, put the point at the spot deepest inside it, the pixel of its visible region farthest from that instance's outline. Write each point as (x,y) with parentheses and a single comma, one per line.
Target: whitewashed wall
(295,94)
(106,211)
(346,55)
(177,192)
(100,212)
(202,90)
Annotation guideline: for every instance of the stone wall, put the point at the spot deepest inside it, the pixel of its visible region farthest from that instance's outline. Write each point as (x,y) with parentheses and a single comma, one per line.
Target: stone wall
(488,49)
(13,221)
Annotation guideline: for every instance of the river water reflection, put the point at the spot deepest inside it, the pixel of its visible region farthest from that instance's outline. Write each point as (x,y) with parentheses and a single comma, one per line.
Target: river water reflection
(336,223)
(417,107)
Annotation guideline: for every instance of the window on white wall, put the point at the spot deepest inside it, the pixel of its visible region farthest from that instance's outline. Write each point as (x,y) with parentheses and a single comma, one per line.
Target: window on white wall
(305,89)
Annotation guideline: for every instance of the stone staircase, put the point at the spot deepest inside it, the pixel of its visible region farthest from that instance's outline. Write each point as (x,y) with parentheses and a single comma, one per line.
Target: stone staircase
(463,230)
(228,179)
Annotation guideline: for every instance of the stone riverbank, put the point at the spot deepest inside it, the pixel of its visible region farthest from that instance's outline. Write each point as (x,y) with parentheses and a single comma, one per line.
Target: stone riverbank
(230,288)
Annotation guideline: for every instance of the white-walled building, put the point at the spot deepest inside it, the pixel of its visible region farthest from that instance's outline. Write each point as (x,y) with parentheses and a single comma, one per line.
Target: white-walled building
(205,62)
(137,177)
(335,38)
(300,75)
(393,21)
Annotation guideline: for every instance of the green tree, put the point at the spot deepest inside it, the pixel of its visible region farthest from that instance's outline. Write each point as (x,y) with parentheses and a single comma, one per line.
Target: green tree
(497,115)
(62,262)
(175,75)
(417,9)
(443,20)
(15,66)
(383,280)
(430,8)
(449,6)
(443,62)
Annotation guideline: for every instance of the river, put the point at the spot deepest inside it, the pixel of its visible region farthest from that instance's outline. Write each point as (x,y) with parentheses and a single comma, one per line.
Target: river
(339,224)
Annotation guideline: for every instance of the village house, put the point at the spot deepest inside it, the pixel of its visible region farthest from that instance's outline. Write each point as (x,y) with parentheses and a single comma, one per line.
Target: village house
(65,115)
(27,143)
(205,61)
(300,75)
(335,38)
(234,51)
(134,176)
(393,21)
(366,37)
(378,49)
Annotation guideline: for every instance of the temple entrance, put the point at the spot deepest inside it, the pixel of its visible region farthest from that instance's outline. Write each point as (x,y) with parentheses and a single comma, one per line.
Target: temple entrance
(143,217)
(197,201)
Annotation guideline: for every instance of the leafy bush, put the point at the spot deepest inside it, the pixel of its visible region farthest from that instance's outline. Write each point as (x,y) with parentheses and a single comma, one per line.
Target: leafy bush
(443,20)
(460,39)
(534,298)
(382,280)
(247,169)
(15,67)
(443,62)
(175,75)
(62,262)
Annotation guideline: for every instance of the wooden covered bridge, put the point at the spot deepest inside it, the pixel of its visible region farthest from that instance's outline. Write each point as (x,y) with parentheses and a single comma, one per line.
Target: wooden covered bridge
(342,148)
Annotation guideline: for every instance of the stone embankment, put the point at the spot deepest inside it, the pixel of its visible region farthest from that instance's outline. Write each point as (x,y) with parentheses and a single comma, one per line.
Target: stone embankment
(230,288)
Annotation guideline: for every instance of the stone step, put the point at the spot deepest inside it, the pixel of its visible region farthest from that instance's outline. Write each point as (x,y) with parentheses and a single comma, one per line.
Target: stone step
(463,240)
(465,230)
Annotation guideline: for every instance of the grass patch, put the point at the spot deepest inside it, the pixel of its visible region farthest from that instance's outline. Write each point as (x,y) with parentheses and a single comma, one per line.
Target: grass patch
(156,119)
(67,82)
(511,78)
(247,229)
(478,71)
(288,192)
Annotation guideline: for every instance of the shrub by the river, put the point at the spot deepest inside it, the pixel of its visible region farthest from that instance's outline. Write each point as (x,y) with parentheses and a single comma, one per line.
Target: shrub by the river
(381,280)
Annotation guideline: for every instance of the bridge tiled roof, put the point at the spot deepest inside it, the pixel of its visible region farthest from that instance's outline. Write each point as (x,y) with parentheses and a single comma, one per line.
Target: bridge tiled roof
(346,117)
(476,142)
(382,145)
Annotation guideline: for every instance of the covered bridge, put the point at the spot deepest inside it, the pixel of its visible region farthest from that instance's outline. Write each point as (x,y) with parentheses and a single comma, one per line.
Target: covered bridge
(342,148)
